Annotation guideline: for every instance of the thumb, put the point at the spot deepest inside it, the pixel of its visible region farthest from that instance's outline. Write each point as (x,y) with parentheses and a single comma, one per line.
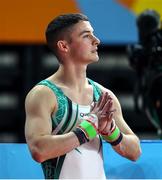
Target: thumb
(93,105)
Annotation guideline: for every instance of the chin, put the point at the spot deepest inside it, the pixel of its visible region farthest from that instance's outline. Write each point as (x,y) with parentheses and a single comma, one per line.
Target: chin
(94,60)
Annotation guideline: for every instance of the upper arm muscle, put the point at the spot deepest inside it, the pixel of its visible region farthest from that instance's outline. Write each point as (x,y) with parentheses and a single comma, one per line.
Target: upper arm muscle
(39,105)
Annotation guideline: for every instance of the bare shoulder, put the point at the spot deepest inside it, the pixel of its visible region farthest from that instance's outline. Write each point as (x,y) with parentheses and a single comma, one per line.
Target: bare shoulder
(40,96)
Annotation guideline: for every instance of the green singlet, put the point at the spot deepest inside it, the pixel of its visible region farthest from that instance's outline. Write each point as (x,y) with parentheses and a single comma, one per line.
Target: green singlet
(84,162)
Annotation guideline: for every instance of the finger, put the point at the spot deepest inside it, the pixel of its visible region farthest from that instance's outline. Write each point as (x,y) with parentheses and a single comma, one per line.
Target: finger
(102,124)
(111,112)
(100,98)
(109,97)
(103,101)
(107,128)
(93,106)
(107,107)
(108,115)
(111,115)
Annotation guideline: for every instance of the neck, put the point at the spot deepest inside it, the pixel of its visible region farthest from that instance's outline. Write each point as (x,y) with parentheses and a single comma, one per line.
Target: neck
(72,76)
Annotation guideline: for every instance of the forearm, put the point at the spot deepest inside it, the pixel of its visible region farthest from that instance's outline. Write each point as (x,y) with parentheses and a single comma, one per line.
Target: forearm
(129,147)
(50,146)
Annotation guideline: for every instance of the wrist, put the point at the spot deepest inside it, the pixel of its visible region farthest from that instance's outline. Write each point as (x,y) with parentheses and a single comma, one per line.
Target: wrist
(115,137)
(92,118)
(87,129)
(80,135)
(112,127)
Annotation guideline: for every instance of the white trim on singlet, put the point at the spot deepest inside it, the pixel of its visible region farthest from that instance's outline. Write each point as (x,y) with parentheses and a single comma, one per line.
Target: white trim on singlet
(73,116)
(60,125)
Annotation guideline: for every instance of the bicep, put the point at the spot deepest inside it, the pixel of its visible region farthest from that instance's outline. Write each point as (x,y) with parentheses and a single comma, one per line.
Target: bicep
(38,108)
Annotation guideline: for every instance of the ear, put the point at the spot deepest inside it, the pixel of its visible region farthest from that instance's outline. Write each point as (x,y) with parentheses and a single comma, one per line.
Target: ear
(62,45)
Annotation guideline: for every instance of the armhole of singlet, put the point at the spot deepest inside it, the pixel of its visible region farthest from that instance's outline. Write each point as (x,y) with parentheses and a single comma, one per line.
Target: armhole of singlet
(96,90)
(62,101)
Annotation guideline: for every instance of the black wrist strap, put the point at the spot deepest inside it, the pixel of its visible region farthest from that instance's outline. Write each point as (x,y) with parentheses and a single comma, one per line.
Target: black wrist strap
(80,135)
(116,142)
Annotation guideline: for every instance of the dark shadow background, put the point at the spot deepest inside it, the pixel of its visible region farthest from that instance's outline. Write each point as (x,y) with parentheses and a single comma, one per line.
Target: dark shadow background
(22,66)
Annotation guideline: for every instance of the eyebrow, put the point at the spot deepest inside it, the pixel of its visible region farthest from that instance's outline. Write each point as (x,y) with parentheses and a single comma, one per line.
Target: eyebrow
(83,32)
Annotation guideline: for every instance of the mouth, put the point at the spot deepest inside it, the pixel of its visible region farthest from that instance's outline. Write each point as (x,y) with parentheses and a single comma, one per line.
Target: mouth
(95,51)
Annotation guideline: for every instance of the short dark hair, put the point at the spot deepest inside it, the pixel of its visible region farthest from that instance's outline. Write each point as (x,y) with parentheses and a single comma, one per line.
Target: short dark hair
(59,25)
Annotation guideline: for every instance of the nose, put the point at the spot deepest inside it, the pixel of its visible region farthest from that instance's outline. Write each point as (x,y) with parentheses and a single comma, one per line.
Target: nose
(96,40)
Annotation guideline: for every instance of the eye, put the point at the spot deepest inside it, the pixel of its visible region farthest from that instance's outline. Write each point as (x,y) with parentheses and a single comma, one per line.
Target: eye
(87,36)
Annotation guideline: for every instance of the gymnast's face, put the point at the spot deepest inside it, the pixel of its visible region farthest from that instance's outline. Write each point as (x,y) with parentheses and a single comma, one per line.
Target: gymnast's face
(83,43)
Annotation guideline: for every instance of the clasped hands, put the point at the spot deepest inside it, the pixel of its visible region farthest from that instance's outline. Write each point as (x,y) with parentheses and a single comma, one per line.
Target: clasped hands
(103,109)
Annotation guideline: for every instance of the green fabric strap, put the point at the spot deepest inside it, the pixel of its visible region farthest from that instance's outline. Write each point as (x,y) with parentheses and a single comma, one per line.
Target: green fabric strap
(90,130)
(97,91)
(113,136)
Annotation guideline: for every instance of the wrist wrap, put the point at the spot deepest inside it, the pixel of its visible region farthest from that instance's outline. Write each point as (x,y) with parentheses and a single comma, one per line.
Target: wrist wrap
(115,137)
(87,129)
(81,136)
